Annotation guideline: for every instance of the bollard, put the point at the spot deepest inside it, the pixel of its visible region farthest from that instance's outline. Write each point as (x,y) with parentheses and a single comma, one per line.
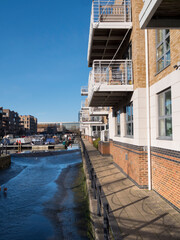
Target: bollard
(99,201)
(94,185)
(91,176)
(106,221)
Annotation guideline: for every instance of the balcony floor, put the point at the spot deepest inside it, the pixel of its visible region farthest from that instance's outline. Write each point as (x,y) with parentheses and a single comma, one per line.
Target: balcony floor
(104,42)
(110,95)
(160,14)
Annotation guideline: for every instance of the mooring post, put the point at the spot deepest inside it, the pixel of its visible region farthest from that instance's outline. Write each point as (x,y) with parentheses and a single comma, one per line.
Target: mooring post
(106,221)
(94,187)
(99,200)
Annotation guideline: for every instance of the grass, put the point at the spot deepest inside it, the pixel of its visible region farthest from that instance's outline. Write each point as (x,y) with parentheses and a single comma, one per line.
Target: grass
(83,220)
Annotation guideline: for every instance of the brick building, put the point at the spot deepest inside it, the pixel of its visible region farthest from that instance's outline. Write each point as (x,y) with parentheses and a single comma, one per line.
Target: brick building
(1,122)
(11,122)
(135,74)
(28,124)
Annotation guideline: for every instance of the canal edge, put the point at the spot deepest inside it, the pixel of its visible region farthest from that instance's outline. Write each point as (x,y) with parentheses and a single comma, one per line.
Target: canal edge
(96,221)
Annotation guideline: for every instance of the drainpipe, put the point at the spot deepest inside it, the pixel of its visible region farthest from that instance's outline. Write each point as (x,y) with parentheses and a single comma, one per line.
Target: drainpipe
(148,112)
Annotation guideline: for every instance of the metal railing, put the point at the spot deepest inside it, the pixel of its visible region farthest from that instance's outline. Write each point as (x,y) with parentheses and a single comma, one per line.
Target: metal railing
(96,134)
(84,105)
(84,90)
(103,208)
(98,110)
(111,11)
(105,135)
(116,72)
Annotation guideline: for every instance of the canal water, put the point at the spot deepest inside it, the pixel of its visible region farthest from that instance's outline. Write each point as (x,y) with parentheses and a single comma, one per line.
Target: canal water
(39,202)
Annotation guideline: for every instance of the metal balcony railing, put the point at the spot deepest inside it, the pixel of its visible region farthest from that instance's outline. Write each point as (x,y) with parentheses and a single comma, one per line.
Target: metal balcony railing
(111,11)
(84,91)
(84,105)
(105,135)
(116,72)
(98,110)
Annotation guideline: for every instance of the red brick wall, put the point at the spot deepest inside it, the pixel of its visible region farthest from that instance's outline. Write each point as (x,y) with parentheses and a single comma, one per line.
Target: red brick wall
(166,174)
(104,148)
(135,166)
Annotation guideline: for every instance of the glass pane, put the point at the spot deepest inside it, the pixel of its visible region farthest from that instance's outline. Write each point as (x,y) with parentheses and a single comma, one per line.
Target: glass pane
(118,130)
(167,43)
(132,112)
(118,117)
(132,129)
(98,128)
(94,128)
(161,127)
(128,113)
(160,64)
(168,109)
(168,59)
(166,31)
(160,51)
(128,129)
(102,127)
(161,105)
(168,122)
(159,36)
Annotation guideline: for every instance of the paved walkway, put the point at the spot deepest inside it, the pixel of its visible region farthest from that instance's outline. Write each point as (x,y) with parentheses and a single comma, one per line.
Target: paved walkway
(134,213)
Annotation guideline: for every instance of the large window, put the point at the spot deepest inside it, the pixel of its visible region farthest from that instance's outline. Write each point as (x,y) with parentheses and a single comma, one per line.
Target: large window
(118,126)
(129,120)
(165,114)
(162,49)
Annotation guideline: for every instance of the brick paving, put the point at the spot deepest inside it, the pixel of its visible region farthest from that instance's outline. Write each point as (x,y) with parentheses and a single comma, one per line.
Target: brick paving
(134,213)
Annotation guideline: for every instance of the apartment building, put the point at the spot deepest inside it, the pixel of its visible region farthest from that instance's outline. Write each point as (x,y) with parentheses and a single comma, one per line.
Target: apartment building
(135,75)
(93,120)
(29,123)
(1,122)
(11,122)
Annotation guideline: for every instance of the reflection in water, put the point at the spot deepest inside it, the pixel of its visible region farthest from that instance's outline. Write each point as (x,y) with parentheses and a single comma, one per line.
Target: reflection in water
(37,204)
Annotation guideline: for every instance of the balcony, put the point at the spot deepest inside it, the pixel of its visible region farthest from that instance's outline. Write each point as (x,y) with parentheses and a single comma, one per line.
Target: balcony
(160,14)
(98,111)
(110,83)
(84,91)
(110,21)
(84,105)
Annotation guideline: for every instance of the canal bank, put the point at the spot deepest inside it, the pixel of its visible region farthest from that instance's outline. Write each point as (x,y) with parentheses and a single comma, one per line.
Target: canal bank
(53,203)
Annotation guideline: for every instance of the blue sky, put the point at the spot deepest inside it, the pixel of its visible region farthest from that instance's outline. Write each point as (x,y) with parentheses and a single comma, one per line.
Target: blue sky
(43,57)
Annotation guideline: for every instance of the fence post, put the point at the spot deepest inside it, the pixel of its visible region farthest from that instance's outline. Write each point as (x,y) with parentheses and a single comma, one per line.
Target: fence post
(99,200)
(106,221)
(94,187)
(91,176)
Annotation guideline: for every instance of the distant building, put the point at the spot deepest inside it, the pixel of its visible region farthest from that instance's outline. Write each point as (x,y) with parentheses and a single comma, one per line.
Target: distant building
(57,127)
(71,126)
(11,122)
(49,128)
(28,124)
(1,121)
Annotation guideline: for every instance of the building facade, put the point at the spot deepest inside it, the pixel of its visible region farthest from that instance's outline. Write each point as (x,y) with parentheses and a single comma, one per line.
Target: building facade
(28,124)
(11,122)
(1,122)
(135,75)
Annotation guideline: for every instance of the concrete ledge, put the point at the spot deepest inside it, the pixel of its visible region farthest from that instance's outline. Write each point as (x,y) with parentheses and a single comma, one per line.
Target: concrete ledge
(5,161)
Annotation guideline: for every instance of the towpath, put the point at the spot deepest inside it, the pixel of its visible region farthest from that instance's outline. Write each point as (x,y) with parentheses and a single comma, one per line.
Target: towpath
(133,213)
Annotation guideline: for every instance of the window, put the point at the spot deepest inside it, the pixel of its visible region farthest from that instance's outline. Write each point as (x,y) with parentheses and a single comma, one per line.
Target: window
(129,120)
(162,49)
(118,125)
(165,114)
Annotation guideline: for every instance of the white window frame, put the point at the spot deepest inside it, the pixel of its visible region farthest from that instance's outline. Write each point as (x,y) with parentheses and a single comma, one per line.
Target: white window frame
(165,51)
(129,121)
(165,116)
